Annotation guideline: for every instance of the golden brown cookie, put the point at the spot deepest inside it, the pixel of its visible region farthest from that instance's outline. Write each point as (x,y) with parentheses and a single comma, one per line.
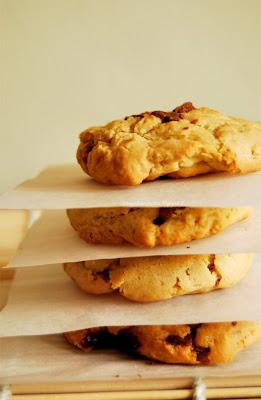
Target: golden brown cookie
(185,142)
(156,278)
(209,343)
(150,227)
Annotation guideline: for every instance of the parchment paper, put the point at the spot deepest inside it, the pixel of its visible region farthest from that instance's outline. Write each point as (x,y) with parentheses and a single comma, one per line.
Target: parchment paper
(44,300)
(52,240)
(51,359)
(66,186)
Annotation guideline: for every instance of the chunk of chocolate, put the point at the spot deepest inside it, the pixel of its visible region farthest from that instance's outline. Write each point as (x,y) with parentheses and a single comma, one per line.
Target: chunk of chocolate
(178,340)
(98,339)
(201,352)
(167,116)
(104,274)
(190,340)
(166,213)
(159,221)
(127,341)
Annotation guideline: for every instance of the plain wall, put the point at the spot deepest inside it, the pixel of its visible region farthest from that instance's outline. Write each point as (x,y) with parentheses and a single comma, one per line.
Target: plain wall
(69,64)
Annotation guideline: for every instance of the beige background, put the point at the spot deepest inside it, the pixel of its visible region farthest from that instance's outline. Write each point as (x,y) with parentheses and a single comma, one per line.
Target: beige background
(67,64)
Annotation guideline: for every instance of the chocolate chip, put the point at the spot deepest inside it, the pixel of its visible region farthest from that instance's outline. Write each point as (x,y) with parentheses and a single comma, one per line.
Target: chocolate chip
(167,213)
(166,119)
(88,147)
(190,340)
(211,265)
(202,353)
(104,274)
(159,221)
(178,340)
(184,108)
(90,340)
(193,331)
(212,268)
(168,116)
(163,177)
(127,341)
(98,339)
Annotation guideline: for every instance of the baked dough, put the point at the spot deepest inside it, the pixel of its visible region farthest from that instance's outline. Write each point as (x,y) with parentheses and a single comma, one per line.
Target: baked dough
(145,279)
(185,142)
(209,343)
(150,227)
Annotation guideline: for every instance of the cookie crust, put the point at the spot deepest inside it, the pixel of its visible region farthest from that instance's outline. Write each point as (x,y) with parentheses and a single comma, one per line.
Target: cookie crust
(182,143)
(150,227)
(147,279)
(209,343)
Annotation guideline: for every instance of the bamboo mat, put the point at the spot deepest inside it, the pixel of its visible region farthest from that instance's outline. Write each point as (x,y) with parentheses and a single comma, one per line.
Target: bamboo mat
(226,388)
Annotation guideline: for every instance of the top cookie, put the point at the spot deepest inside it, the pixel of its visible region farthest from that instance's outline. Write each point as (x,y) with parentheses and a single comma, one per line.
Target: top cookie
(185,142)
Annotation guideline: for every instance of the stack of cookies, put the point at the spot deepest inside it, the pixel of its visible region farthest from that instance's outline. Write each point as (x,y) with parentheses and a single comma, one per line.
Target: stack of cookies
(185,142)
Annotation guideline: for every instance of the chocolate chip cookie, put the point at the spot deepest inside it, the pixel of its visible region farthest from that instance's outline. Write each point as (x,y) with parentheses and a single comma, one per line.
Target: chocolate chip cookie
(209,343)
(150,227)
(145,279)
(185,142)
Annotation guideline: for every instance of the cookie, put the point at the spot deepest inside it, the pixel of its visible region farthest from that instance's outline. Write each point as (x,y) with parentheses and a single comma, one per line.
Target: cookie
(209,343)
(150,227)
(145,279)
(185,142)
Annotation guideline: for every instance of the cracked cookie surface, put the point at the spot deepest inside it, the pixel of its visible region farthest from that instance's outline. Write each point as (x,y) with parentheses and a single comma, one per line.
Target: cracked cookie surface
(208,343)
(146,279)
(150,227)
(182,143)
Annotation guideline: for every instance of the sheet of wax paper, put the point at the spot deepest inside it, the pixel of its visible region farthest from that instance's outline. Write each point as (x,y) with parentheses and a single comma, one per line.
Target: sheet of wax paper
(67,186)
(52,240)
(36,359)
(44,300)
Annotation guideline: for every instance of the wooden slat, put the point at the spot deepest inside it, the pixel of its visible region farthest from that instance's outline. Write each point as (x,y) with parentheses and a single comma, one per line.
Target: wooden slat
(211,393)
(134,384)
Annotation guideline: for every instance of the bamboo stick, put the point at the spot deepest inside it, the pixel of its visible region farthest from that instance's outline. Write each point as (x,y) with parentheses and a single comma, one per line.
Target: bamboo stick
(179,394)
(134,384)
